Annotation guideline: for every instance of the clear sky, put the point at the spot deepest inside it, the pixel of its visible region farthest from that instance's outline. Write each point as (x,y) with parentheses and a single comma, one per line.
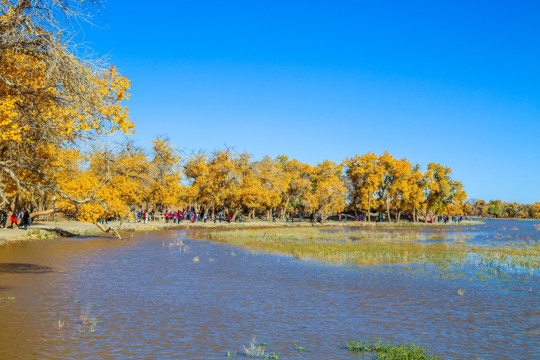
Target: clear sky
(453,82)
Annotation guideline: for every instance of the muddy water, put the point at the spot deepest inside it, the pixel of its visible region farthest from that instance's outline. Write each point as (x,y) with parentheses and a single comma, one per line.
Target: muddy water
(147,299)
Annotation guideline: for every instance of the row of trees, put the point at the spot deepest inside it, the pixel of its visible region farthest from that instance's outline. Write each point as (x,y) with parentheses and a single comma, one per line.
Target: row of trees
(124,178)
(119,179)
(361,184)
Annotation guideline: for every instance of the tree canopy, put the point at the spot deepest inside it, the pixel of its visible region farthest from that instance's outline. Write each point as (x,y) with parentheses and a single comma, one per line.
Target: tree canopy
(52,102)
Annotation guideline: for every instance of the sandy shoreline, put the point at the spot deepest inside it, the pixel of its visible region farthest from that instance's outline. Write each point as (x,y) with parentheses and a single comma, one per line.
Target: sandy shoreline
(43,230)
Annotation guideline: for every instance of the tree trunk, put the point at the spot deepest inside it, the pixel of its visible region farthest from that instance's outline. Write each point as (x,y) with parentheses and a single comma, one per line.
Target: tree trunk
(235,214)
(110,230)
(284,211)
(388,212)
(207,209)
(44,212)
(369,210)
(40,203)
(398,216)
(14,202)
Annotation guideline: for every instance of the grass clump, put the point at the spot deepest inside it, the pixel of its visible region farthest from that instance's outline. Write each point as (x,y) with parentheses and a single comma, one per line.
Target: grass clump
(255,349)
(258,350)
(385,351)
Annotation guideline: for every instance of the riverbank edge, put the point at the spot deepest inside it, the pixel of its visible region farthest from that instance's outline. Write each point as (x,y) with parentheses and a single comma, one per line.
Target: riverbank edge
(48,230)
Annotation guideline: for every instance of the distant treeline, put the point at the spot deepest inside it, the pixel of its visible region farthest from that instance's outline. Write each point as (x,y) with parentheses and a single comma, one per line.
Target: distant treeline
(500,209)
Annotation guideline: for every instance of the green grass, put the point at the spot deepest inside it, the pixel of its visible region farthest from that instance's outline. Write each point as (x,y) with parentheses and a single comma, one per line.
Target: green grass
(386,351)
(377,247)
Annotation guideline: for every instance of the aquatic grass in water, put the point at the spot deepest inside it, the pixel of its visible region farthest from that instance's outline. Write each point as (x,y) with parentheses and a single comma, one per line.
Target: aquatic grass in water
(384,350)
(256,350)
(381,248)
(330,235)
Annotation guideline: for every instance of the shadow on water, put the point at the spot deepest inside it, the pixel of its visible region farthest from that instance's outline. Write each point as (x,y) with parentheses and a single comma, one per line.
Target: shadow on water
(20,268)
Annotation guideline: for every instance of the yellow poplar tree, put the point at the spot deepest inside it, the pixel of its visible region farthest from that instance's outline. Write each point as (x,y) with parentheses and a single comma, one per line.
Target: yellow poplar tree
(297,177)
(165,175)
(442,193)
(402,186)
(112,180)
(365,174)
(50,99)
(328,191)
(273,180)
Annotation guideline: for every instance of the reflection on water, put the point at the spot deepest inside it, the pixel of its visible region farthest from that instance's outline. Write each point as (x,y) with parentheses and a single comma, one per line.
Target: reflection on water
(148,298)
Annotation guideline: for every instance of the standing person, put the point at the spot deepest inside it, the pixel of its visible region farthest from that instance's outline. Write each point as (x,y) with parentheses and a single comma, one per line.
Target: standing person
(25,219)
(215,217)
(13,220)
(229,218)
(4,218)
(292,218)
(220,218)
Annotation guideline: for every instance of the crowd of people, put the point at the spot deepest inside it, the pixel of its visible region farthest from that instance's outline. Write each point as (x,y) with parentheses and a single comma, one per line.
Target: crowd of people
(184,214)
(18,218)
(21,219)
(446,219)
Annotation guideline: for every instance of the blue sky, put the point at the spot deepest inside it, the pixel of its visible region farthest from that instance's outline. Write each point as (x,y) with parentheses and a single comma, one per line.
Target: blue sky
(450,82)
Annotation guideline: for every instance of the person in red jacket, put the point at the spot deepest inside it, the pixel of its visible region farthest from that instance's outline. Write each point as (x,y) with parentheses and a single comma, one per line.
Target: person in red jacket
(13,220)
